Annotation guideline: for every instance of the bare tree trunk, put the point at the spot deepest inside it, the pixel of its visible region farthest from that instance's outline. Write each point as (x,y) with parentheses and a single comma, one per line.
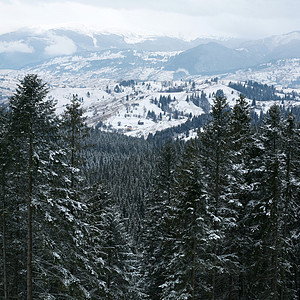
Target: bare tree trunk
(4,237)
(230,287)
(214,276)
(194,267)
(275,268)
(29,224)
(217,195)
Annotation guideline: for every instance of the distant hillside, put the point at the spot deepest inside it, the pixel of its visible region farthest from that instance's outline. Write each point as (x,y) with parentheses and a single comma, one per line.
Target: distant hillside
(214,58)
(202,55)
(211,58)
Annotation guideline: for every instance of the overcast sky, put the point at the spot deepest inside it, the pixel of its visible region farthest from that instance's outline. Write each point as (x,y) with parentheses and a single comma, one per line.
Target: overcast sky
(181,18)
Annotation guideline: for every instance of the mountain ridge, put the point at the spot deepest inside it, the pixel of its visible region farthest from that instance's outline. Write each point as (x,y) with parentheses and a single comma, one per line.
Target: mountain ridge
(21,48)
(65,52)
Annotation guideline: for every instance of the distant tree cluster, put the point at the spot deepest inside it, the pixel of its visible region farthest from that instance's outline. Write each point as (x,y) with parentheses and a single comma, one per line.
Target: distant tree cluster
(200,101)
(127,83)
(164,102)
(256,91)
(174,89)
(152,115)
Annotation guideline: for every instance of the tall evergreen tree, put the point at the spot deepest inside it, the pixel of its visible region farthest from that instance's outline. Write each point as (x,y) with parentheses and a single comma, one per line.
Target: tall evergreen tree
(242,141)
(110,250)
(216,157)
(74,130)
(30,115)
(270,202)
(42,191)
(157,235)
(186,269)
(290,215)
(274,247)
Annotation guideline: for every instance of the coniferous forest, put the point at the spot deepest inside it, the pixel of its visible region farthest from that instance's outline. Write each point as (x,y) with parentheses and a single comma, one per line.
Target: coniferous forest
(87,214)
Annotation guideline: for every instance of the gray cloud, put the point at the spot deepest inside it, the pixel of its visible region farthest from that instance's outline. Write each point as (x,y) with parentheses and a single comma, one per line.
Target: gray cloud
(257,8)
(184,18)
(18,46)
(60,45)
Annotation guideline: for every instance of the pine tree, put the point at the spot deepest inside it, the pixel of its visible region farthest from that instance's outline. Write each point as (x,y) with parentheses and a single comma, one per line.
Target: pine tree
(74,130)
(242,140)
(186,269)
(30,114)
(216,159)
(274,209)
(110,250)
(40,165)
(4,162)
(271,200)
(290,209)
(157,235)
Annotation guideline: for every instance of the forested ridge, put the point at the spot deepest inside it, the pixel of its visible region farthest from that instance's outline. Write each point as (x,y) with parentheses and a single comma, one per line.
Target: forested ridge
(92,215)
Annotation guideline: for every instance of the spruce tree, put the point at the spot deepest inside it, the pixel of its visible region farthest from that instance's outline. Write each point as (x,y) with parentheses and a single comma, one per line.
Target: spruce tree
(242,140)
(186,269)
(74,131)
(271,202)
(41,185)
(109,248)
(30,115)
(158,231)
(274,211)
(216,158)
(289,270)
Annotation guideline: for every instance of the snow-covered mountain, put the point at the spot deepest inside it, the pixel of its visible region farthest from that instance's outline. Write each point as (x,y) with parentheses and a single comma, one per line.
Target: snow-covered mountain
(214,58)
(138,85)
(28,47)
(118,56)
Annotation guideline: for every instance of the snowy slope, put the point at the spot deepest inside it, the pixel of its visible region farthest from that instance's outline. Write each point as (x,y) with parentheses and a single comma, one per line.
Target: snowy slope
(130,109)
(284,72)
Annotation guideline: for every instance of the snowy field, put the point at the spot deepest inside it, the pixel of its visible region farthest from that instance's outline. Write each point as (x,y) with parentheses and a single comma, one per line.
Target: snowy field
(126,109)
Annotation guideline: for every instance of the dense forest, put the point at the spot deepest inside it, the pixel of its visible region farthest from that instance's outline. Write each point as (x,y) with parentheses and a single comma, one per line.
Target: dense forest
(87,214)
(263,92)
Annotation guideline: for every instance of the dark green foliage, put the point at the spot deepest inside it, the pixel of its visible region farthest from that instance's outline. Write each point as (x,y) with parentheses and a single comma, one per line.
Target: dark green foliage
(110,249)
(33,125)
(127,83)
(157,229)
(162,137)
(256,91)
(213,218)
(242,144)
(187,227)
(217,160)
(125,164)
